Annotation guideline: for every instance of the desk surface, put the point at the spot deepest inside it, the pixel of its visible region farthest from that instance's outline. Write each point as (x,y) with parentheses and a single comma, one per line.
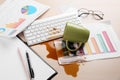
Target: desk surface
(95,70)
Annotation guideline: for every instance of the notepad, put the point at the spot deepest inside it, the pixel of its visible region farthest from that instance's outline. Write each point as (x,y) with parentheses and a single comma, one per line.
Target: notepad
(16,15)
(11,67)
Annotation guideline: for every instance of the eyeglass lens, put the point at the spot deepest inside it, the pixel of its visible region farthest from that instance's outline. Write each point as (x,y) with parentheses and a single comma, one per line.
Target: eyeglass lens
(83,12)
(98,15)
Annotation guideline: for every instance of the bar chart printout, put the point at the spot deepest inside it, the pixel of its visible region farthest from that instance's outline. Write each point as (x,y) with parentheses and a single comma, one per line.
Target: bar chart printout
(100,43)
(103,43)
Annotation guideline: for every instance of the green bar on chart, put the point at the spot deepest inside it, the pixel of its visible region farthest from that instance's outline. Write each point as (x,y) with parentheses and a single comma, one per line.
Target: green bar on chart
(98,43)
(102,42)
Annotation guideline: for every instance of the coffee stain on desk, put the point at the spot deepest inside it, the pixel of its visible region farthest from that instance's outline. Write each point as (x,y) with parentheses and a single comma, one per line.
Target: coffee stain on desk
(51,50)
(70,69)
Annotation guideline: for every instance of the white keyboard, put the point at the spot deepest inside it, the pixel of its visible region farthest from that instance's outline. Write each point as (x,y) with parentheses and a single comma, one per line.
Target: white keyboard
(49,28)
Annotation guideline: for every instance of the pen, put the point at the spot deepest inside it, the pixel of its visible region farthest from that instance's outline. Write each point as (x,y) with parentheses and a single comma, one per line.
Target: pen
(24,65)
(29,66)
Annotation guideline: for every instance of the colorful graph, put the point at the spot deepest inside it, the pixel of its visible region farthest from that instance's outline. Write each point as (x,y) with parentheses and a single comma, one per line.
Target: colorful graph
(100,43)
(2,30)
(28,10)
(15,24)
(12,32)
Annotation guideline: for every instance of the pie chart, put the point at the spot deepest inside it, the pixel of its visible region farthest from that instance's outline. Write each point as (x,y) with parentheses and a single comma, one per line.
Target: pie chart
(28,10)
(2,30)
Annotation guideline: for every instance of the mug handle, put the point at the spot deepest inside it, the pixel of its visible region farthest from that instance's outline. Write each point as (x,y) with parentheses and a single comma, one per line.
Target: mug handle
(80,43)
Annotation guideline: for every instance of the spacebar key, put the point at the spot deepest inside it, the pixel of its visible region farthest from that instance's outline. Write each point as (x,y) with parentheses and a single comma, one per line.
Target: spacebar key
(55,36)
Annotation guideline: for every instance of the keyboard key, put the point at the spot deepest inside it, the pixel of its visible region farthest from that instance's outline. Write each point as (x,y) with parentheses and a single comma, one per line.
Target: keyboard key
(49,28)
(55,36)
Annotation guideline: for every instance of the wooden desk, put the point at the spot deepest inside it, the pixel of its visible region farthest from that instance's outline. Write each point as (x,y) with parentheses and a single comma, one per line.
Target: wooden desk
(95,70)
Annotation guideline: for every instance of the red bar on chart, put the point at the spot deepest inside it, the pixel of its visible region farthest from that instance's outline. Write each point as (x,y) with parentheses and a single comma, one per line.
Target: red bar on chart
(108,41)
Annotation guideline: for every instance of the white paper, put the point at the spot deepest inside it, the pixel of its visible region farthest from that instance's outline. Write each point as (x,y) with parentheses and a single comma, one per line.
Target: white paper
(16,15)
(11,67)
(98,28)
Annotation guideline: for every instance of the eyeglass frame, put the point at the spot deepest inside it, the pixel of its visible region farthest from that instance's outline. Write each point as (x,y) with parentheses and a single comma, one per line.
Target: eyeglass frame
(91,12)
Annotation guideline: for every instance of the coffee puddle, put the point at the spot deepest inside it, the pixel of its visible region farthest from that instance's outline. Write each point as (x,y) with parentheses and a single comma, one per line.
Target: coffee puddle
(51,49)
(70,69)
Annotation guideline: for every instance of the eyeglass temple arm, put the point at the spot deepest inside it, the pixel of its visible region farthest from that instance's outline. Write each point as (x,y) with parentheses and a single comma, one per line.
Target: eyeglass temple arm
(99,16)
(82,14)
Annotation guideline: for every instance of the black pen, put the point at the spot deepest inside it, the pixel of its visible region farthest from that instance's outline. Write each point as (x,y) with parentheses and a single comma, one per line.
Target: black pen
(29,66)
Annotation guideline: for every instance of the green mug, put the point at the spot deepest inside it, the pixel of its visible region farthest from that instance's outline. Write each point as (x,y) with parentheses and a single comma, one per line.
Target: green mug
(75,33)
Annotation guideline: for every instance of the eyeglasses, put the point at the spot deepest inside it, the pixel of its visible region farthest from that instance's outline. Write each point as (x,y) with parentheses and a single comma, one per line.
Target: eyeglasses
(98,15)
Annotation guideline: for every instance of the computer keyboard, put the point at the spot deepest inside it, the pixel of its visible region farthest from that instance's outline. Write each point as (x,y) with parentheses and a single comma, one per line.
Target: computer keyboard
(49,28)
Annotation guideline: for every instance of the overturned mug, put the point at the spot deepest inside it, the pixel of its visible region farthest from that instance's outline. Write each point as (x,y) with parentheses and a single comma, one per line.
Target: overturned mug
(75,33)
